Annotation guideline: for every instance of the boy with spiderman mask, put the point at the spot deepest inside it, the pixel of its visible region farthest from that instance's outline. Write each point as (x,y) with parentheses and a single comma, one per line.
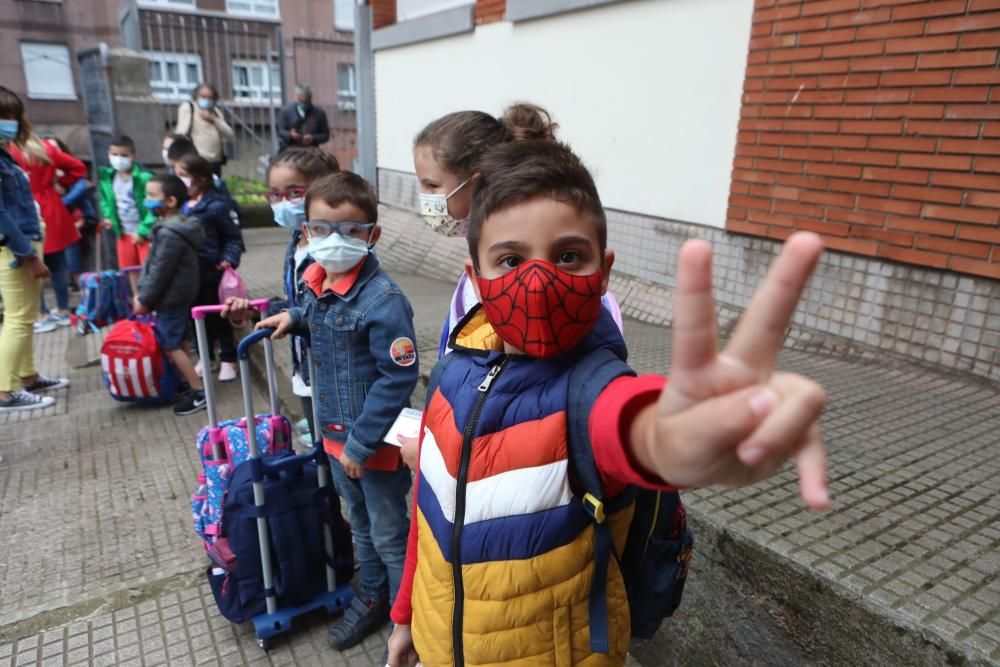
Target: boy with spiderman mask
(502,547)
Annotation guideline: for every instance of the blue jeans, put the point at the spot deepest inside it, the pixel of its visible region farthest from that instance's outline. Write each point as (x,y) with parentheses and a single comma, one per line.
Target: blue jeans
(376,508)
(56,261)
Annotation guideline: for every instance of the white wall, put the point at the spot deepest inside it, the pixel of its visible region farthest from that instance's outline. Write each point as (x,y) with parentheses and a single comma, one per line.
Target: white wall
(647,92)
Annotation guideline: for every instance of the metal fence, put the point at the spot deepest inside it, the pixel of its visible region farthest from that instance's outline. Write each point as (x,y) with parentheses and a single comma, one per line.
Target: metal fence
(241,58)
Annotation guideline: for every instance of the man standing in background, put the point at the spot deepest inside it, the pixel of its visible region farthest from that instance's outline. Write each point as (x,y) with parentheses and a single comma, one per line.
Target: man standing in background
(301,123)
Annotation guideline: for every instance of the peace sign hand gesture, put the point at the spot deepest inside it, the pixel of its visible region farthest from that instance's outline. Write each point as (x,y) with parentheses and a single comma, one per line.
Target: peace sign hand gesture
(727,417)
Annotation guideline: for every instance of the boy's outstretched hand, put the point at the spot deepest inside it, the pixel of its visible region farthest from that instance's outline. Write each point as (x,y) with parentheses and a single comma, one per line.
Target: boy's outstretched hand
(281,323)
(727,417)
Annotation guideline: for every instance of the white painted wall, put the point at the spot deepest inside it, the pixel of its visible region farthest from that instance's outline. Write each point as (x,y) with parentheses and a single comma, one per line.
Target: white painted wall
(647,92)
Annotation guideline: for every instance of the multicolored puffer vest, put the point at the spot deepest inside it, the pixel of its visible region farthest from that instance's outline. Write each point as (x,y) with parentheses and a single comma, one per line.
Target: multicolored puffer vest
(506,548)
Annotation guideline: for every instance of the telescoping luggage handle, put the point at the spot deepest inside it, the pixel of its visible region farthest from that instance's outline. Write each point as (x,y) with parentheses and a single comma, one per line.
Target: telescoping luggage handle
(260,466)
(199,313)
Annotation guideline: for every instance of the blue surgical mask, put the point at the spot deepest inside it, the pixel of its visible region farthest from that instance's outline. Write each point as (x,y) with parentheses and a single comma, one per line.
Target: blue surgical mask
(153,205)
(289,214)
(9,129)
(205,103)
(337,254)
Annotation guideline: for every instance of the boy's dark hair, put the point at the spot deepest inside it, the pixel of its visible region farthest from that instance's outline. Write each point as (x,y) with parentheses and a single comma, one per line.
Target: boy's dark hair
(312,163)
(179,146)
(197,167)
(514,173)
(124,141)
(172,187)
(344,187)
(460,139)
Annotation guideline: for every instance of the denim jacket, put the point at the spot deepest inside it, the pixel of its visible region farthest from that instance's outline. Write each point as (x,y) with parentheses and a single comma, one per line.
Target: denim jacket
(19,223)
(365,354)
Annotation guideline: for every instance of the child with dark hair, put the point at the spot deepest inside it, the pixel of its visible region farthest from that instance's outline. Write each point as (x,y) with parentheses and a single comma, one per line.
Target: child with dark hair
(122,190)
(169,281)
(504,544)
(360,326)
(289,177)
(223,248)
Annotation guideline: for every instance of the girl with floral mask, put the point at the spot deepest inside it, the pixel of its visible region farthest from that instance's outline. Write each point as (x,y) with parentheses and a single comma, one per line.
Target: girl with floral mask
(288,179)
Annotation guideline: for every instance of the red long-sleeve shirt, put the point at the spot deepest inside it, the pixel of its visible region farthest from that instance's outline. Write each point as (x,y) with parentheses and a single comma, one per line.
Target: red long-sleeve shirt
(610,420)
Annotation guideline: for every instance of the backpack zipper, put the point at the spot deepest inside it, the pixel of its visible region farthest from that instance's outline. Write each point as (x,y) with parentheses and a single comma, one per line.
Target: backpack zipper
(456,533)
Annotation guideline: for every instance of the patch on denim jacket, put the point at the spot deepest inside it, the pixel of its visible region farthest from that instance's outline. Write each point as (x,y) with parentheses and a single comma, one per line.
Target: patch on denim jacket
(403,352)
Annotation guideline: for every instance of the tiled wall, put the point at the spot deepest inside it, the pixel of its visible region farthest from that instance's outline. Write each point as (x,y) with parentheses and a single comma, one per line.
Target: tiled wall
(854,305)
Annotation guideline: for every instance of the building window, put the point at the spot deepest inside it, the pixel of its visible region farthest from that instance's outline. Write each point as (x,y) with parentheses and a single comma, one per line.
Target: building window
(48,71)
(343,15)
(173,76)
(253,7)
(347,87)
(411,9)
(255,81)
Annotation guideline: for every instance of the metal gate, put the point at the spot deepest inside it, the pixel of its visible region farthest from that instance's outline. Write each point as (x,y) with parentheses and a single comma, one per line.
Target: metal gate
(240,57)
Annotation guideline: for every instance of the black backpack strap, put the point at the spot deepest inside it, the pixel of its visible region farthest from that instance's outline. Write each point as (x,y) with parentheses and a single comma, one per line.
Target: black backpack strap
(587,379)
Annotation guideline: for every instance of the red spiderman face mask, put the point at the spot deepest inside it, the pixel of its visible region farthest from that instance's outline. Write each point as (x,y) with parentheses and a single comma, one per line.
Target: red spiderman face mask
(541,309)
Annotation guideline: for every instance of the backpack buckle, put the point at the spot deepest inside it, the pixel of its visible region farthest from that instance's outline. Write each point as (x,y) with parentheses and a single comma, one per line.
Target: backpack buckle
(594,507)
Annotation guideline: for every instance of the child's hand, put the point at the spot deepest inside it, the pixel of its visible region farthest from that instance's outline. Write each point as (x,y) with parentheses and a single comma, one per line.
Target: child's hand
(136,239)
(352,469)
(728,418)
(281,323)
(401,650)
(236,309)
(138,307)
(103,224)
(409,450)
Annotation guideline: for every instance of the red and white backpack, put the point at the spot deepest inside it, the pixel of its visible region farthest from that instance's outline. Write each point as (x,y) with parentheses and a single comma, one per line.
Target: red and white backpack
(134,367)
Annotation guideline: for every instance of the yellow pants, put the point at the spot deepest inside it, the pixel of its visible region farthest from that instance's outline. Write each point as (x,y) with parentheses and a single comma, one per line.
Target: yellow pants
(19,291)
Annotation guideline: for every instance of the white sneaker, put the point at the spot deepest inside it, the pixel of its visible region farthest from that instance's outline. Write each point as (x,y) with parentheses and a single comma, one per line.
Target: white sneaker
(227,372)
(60,319)
(43,326)
(25,400)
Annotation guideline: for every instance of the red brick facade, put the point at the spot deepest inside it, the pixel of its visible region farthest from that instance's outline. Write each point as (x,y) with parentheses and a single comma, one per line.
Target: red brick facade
(877,124)
(488,11)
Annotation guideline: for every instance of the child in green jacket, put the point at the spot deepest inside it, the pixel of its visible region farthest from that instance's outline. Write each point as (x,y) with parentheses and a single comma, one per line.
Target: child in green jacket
(122,188)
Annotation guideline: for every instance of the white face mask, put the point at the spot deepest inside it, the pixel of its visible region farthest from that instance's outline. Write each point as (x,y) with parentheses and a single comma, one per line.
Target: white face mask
(120,162)
(289,214)
(337,254)
(186,180)
(434,209)
(166,159)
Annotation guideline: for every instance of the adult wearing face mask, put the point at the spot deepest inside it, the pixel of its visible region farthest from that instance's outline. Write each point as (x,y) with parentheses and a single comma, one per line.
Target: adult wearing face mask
(21,270)
(302,124)
(202,121)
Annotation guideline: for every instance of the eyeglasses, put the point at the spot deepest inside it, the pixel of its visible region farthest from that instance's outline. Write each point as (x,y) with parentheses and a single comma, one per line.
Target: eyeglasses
(291,194)
(349,230)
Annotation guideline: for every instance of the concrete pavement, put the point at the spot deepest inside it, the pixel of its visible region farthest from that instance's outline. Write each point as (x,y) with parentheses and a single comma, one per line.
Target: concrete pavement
(99,563)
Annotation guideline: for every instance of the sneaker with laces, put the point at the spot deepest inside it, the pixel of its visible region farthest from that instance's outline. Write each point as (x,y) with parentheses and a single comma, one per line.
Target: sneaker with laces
(227,372)
(45,383)
(43,326)
(25,400)
(302,426)
(361,619)
(59,319)
(190,403)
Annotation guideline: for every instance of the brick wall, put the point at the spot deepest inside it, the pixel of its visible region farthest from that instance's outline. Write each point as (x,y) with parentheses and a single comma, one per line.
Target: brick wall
(488,11)
(383,13)
(877,124)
